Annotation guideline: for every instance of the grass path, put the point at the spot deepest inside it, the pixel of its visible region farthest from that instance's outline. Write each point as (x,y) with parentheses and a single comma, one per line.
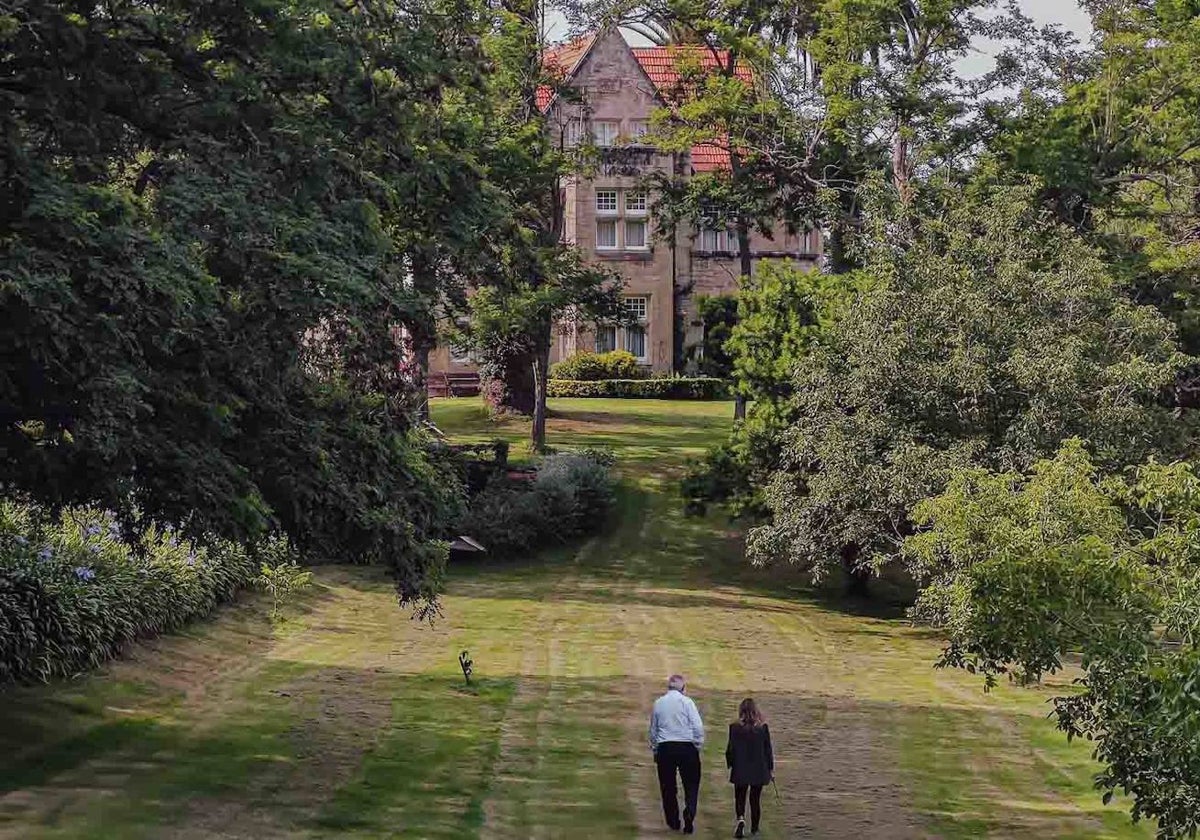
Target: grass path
(351,720)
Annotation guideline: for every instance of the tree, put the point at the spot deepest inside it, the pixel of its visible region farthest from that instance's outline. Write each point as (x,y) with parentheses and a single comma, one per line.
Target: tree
(987,337)
(1022,569)
(544,280)
(237,188)
(1117,144)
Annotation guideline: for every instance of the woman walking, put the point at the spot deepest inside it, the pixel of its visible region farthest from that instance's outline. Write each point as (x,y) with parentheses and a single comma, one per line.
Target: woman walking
(751,764)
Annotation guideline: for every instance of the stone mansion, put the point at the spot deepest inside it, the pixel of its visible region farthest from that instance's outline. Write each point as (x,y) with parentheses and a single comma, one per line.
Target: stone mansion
(607,216)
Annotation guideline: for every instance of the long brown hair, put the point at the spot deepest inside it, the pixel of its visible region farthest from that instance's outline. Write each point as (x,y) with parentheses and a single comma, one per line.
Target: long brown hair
(749,715)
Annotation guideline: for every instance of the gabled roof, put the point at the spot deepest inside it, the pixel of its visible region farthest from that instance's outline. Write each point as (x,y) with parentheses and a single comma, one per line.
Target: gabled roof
(665,67)
(663,64)
(562,60)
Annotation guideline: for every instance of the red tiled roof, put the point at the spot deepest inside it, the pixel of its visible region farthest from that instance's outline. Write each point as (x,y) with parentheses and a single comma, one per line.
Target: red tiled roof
(562,60)
(666,68)
(709,158)
(663,64)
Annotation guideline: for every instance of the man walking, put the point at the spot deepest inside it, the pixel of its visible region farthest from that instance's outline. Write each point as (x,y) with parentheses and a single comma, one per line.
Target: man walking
(676,735)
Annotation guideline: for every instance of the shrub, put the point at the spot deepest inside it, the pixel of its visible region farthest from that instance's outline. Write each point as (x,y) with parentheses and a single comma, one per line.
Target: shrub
(281,580)
(667,388)
(73,592)
(590,367)
(570,496)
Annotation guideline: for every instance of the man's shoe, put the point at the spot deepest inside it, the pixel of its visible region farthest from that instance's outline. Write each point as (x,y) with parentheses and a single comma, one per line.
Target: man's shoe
(739,829)
(689,820)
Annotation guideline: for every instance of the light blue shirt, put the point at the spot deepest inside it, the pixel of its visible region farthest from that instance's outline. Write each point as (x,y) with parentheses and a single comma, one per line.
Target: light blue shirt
(675,718)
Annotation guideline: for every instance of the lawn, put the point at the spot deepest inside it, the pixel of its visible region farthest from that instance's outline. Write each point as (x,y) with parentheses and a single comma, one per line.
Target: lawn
(351,719)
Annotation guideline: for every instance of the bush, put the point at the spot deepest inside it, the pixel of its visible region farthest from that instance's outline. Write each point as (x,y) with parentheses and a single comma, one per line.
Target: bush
(73,592)
(570,497)
(590,367)
(667,388)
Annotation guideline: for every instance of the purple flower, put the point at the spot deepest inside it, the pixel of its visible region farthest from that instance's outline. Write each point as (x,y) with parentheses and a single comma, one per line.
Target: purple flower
(84,573)
(21,540)
(95,549)
(191,558)
(46,553)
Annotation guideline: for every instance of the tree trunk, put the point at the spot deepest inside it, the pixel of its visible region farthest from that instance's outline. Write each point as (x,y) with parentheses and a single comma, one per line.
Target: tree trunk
(858,583)
(421,352)
(745,258)
(541,365)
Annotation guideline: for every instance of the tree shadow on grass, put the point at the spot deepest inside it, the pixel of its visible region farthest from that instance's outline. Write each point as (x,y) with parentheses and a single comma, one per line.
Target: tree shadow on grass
(345,751)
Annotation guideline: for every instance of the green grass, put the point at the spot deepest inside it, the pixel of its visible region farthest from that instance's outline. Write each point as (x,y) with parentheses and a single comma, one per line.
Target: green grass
(352,719)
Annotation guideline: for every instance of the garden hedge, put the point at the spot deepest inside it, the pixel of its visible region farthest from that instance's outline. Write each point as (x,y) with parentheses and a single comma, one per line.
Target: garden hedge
(675,388)
(73,592)
(592,367)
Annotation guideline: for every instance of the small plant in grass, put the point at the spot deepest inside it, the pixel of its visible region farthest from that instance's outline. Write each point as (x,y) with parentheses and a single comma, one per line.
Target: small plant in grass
(281,581)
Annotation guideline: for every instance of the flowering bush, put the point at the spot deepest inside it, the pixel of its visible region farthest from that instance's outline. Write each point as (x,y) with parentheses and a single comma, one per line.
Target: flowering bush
(570,497)
(73,591)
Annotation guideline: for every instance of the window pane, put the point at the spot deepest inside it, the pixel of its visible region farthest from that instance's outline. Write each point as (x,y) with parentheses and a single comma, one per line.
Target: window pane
(635,341)
(605,133)
(606,233)
(638,129)
(636,306)
(606,201)
(635,234)
(573,133)
(606,339)
(635,202)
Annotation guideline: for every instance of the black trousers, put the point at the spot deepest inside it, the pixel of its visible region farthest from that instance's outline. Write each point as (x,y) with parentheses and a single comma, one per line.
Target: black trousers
(739,803)
(682,758)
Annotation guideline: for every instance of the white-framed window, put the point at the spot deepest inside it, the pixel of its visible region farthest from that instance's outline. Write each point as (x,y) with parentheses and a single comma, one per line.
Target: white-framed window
(606,202)
(605,132)
(606,339)
(717,239)
(638,307)
(622,219)
(606,234)
(573,133)
(637,130)
(635,234)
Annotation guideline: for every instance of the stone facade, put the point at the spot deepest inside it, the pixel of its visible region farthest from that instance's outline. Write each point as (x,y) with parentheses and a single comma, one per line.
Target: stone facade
(609,219)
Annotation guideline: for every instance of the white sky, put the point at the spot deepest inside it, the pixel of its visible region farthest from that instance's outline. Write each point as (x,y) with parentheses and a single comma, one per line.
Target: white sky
(1067,13)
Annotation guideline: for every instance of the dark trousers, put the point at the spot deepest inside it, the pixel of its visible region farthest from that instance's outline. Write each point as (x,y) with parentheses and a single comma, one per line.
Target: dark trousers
(682,758)
(739,803)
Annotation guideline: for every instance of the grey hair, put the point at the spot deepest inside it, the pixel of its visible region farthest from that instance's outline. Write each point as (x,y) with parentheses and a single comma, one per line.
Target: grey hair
(676,682)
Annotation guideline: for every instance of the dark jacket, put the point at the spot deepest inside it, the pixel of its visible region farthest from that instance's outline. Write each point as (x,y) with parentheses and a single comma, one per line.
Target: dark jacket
(749,756)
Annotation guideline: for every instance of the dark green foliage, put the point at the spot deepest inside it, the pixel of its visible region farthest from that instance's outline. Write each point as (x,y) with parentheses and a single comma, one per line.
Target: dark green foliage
(718,315)
(990,337)
(73,593)
(589,367)
(570,497)
(206,212)
(1024,569)
(666,388)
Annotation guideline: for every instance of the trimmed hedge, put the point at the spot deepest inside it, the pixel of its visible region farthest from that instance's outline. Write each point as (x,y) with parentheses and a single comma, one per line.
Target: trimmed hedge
(674,388)
(73,593)
(590,367)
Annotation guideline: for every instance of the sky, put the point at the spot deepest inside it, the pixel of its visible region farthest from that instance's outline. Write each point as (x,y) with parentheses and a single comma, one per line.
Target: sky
(1067,13)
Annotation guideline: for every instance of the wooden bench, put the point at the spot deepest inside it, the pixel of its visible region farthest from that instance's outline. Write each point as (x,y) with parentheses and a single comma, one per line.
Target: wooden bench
(464,384)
